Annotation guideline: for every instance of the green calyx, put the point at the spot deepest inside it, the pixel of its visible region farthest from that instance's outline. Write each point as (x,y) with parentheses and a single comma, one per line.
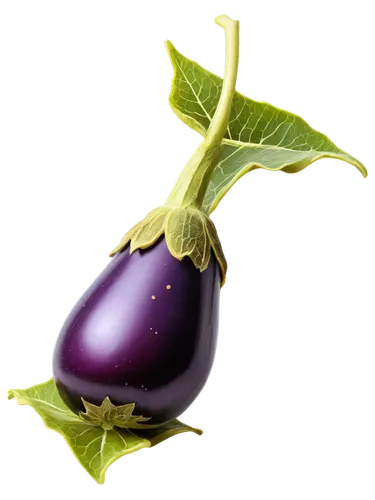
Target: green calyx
(188,230)
(108,416)
(240,135)
(188,233)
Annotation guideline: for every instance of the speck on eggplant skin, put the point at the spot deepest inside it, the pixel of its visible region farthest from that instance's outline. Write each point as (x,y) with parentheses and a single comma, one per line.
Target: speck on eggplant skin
(111,330)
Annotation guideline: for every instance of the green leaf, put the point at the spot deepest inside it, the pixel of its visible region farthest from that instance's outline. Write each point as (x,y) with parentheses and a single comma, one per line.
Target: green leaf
(236,160)
(258,135)
(194,90)
(94,447)
(97,449)
(170,431)
(46,401)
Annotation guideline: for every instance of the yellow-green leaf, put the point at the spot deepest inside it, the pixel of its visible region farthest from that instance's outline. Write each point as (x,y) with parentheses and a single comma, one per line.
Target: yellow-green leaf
(258,135)
(94,447)
(159,434)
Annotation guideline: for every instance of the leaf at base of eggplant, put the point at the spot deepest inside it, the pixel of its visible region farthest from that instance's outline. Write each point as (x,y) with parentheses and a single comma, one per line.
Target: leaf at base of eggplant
(95,447)
(158,434)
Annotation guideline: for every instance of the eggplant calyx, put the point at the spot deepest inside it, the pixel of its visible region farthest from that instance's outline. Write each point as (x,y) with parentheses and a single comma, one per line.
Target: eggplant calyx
(145,233)
(191,233)
(108,415)
(188,233)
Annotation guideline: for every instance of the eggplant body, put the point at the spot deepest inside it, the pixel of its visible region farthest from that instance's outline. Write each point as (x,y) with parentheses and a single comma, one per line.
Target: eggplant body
(145,332)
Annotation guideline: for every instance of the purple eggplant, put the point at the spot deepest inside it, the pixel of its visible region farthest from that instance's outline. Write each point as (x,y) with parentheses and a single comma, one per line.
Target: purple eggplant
(144,332)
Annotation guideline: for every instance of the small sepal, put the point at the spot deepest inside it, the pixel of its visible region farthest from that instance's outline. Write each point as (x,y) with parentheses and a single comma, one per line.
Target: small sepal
(126,239)
(186,236)
(150,230)
(107,415)
(216,247)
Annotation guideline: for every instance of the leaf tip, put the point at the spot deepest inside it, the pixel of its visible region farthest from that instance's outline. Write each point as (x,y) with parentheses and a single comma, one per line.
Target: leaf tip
(9,395)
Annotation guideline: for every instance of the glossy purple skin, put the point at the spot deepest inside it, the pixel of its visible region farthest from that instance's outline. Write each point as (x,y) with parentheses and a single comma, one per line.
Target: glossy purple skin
(120,341)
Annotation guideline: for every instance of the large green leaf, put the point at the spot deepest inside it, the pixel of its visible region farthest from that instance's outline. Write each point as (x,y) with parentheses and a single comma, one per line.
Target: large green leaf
(258,135)
(95,448)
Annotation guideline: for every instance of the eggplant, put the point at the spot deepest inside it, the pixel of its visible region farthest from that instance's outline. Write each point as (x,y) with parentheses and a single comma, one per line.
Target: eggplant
(138,347)
(144,332)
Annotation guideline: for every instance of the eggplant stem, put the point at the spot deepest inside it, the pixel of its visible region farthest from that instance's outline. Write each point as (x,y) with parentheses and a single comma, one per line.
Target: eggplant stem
(193,181)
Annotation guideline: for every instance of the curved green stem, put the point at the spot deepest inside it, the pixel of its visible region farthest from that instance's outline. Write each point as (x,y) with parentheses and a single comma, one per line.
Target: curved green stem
(191,185)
